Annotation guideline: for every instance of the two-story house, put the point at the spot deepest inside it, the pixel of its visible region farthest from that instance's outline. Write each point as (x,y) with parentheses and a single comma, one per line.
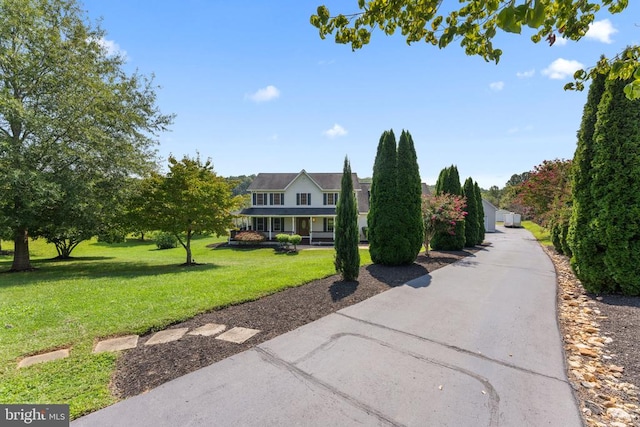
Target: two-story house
(301,203)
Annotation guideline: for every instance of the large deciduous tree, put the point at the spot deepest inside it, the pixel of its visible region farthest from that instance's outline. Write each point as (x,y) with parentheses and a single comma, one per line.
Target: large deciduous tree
(616,187)
(449,183)
(347,260)
(588,253)
(65,103)
(410,227)
(475,24)
(190,200)
(382,218)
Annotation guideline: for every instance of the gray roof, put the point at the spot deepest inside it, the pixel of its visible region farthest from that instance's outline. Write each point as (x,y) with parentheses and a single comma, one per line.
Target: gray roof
(280,181)
(276,211)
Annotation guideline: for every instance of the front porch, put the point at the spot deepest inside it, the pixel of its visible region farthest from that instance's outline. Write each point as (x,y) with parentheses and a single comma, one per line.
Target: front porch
(314,230)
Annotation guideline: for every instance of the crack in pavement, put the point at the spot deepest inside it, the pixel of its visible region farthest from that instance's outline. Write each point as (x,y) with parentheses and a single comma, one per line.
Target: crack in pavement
(458,349)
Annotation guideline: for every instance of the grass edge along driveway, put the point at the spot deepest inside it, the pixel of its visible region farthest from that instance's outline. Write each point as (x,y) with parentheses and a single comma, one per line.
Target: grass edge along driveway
(113,290)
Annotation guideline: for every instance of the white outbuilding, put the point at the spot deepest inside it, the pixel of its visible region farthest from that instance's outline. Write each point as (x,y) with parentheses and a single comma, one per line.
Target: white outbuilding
(489,216)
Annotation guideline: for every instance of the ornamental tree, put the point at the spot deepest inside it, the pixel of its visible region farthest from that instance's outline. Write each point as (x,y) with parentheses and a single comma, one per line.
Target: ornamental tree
(588,253)
(440,214)
(475,24)
(65,103)
(481,229)
(409,220)
(190,200)
(471,222)
(616,188)
(449,183)
(383,218)
(347,260)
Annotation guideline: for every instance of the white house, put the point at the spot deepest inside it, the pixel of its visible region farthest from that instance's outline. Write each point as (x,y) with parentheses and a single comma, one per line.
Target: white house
(489,216)
(301,203)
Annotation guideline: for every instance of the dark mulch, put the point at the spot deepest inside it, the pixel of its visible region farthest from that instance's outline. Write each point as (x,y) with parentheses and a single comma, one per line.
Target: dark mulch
(622,324)
(143,368)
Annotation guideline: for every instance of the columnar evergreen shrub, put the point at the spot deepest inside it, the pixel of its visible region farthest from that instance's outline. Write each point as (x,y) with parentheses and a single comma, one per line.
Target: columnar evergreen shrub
(616,186)
(410,227)
(588,252)
(449,182)
(471,222)
(481,230)
(382,217)
(347,260)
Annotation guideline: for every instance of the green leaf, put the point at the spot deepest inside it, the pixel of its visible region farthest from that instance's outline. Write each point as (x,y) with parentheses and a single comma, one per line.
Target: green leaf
(506,20)
(636,75)
(536,16)
(632,90)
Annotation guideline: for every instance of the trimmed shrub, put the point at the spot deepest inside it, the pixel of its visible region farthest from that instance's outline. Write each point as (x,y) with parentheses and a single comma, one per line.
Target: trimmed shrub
(295,240)
(250,237)
(410,227)
(283,239)
(165,241)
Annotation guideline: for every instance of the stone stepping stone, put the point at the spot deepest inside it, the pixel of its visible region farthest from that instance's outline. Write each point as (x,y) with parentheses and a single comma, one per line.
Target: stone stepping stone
(46,357)
(117,344)
(168,335)
(237,335)
(208,330)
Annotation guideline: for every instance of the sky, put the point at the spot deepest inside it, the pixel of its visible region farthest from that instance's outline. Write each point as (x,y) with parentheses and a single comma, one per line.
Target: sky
(255,89)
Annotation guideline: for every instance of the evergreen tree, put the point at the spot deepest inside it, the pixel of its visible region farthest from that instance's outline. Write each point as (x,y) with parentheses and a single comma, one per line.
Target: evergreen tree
(481,229)
(347,259)
(382,217)
(471,220)
(616,185)
(449,182)
(410,228)
(588,253)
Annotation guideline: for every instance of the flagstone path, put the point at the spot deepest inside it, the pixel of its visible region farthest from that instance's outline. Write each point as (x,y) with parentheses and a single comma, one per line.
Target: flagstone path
(236,335)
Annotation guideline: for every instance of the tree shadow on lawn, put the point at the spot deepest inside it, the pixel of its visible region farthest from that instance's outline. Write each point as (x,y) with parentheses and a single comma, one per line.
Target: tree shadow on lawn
(95,269)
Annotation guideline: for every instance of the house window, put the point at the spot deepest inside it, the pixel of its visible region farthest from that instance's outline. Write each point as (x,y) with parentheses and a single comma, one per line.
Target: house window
(277,198)
(277,224)
(259,199)
(330,198)
(260,224)
(303,198)
(328,224)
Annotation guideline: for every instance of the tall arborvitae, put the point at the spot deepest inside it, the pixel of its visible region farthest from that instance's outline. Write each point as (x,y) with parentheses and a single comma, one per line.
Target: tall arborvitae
(347,259)
(481,229)
(616,185)
(382,218)
(588,252)
(449,182)
(409,213)
(471,221)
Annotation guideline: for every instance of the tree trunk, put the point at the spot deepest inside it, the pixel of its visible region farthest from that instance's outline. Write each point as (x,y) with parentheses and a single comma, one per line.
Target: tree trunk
(21,260)
(188,248)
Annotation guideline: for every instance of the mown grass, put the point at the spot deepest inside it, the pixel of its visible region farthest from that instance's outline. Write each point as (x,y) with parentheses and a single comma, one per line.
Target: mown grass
(111,290)
(540,233)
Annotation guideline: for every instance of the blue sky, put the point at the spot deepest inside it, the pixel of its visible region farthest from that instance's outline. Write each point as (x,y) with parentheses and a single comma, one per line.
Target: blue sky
(255,89)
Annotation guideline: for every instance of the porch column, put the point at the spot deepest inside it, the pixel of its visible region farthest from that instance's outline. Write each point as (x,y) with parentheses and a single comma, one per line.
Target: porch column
(293,225)
(269,227)
(310,228)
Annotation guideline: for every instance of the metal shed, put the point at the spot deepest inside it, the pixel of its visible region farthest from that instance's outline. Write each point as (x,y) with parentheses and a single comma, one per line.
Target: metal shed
(489,216)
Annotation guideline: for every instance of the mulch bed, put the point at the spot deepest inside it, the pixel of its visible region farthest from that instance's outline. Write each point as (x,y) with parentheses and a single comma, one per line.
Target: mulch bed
(146,367)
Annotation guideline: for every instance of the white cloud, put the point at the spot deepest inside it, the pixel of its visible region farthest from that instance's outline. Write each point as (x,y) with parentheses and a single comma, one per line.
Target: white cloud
(265,94)
(526,74)
(601,31)
(562,68)
(335,131)
(110,47)
(496,86)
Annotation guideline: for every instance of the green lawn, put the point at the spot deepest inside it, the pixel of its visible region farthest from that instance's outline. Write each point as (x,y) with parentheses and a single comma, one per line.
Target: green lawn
(540,233)
(110,290)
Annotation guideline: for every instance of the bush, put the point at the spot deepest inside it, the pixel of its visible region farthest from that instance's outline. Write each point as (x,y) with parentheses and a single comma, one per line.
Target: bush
(295,240)
(283,239)
(165,241)
(112,236)
(250,237)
